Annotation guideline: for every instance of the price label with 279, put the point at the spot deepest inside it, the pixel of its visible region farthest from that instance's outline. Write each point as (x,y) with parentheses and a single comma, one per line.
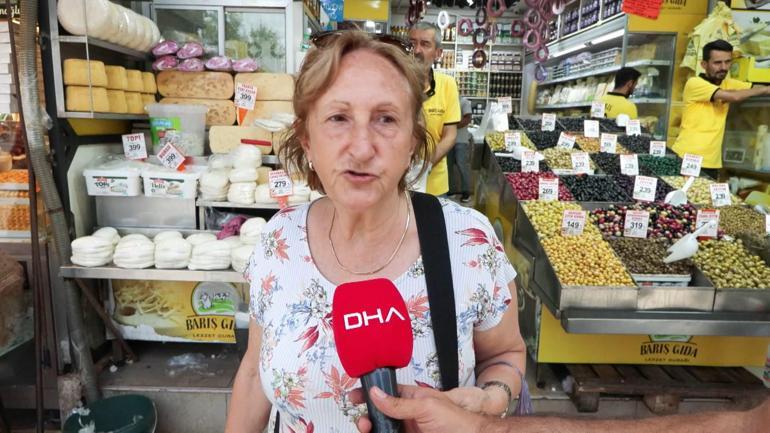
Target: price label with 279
(636,224)
(280,184)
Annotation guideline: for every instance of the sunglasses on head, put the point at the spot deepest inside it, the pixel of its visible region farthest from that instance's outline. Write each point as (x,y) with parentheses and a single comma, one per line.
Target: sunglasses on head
(322,39)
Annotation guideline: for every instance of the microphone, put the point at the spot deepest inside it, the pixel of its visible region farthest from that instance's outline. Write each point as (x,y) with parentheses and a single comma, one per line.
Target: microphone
(373,335)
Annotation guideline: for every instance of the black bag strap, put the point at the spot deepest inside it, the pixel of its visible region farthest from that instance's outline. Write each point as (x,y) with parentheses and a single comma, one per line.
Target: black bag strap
(431,229)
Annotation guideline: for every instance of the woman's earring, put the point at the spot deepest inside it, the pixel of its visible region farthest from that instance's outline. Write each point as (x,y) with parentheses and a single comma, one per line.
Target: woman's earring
(310,164)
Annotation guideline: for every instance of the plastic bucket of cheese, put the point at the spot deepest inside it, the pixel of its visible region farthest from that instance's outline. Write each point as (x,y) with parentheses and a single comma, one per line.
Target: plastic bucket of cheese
(113,175)
(160,181)
(183,125)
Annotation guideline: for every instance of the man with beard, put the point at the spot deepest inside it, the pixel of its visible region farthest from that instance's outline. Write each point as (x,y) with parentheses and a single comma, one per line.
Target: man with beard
(707,99)
(616,102)
(441,109)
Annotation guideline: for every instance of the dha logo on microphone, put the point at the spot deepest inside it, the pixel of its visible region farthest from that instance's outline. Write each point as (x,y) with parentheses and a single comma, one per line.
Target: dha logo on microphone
(362,319)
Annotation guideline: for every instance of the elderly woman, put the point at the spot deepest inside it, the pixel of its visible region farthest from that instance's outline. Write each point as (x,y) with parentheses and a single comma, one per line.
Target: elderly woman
(359,127)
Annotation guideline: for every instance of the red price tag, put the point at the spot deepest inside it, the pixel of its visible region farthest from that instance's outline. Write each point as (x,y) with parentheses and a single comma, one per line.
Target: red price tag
(134,146)
(573,222)
(644,8)
(171,157)
(245,96)
(280,184)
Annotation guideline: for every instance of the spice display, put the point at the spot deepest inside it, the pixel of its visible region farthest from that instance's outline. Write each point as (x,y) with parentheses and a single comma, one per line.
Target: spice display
(544,139)
(737,219)
(666,221)
(728,264)
(511,165)
(645,256)
(595,188)
(627,183)
(699,193)
(526,186)
(546,217)
(581,261)
(659,166)
(561,158)
(496,141)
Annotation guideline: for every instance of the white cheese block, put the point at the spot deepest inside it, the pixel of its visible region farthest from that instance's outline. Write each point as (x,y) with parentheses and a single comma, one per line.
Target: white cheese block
(266,109)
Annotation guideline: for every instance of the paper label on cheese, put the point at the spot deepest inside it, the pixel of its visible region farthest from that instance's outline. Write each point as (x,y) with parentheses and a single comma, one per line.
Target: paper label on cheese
(134,146)
(245,96)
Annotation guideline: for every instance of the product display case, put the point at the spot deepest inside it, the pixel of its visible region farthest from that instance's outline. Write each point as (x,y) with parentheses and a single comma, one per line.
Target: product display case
(746,146)
(582,69)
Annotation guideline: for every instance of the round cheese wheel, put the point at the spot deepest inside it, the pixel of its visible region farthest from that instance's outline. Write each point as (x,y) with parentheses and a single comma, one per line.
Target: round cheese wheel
(108,233)
(166,235)
(247,174)
(139,29)
(251,231)
(72,16)
(262,195)
(134,237)
(199,238)
(240,257)
(124,27)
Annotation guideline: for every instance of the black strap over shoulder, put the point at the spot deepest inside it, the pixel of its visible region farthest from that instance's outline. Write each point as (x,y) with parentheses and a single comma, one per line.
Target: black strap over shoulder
(431,229)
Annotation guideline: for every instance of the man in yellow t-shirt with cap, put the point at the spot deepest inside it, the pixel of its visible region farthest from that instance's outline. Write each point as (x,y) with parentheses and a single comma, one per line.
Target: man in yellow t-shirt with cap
(707,99)
(441,109)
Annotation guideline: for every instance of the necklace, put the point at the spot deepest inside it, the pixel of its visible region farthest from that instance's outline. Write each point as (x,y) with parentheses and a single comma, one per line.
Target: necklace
(392,256)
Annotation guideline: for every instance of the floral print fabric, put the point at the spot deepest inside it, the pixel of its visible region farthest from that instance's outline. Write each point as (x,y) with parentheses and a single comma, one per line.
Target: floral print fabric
(299,369)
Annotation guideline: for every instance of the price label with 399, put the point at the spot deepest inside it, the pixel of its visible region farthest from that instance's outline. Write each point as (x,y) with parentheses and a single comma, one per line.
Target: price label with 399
(549,122)
(170,156)
(573,222)
(636,223)
(134,146)
(720,195)
(280,184)
(644,188)
(245,96)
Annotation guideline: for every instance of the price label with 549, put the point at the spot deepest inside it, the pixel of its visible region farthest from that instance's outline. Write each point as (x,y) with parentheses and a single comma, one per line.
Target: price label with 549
(573,222)
(134,146)
(636,223)
(280,184)
(170,156)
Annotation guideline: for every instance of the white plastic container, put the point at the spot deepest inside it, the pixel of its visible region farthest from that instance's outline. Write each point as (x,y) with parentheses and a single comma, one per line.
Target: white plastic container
(114,176)
(184,125)
(160,181)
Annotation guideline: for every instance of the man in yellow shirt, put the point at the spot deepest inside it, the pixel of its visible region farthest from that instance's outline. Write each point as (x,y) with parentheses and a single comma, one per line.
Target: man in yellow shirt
(616,102)
(441,109)
(707,99)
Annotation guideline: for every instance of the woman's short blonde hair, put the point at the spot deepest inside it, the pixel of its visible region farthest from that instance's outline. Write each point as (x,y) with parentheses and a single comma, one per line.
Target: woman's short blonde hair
(320,70)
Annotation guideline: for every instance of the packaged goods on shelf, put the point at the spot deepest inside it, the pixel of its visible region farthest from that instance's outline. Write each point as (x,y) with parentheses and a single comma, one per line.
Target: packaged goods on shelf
(205,85)
(134,253)
(160,181)
(210,255)
(78,98)
(699,193)
(583,261)
(108,233)
(214,185)
(180,124)
(729,265)
(113,175)
(90,251)
(220,112)
(172,253)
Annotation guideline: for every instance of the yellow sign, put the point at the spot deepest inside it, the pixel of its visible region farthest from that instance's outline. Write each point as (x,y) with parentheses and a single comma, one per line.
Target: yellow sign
(362,10)
(175,310)
(557,346)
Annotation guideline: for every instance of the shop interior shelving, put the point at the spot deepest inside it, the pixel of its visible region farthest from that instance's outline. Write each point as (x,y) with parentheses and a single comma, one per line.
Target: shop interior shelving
(112,272)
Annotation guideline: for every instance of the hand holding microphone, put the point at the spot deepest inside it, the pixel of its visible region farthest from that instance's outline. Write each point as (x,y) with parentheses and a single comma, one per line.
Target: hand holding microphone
(373,335)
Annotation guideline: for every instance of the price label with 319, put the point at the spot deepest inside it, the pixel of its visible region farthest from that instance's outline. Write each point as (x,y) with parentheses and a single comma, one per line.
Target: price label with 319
(134,146)
(644,188)
(170,156)
(245,96)
(280,184)
(636,223)
(720,195)
(548,189)
(573,222)
(549,122)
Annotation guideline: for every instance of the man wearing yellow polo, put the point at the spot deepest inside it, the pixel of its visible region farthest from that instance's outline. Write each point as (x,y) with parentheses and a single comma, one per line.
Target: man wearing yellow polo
(707,99)
(441,109)
(616,102)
